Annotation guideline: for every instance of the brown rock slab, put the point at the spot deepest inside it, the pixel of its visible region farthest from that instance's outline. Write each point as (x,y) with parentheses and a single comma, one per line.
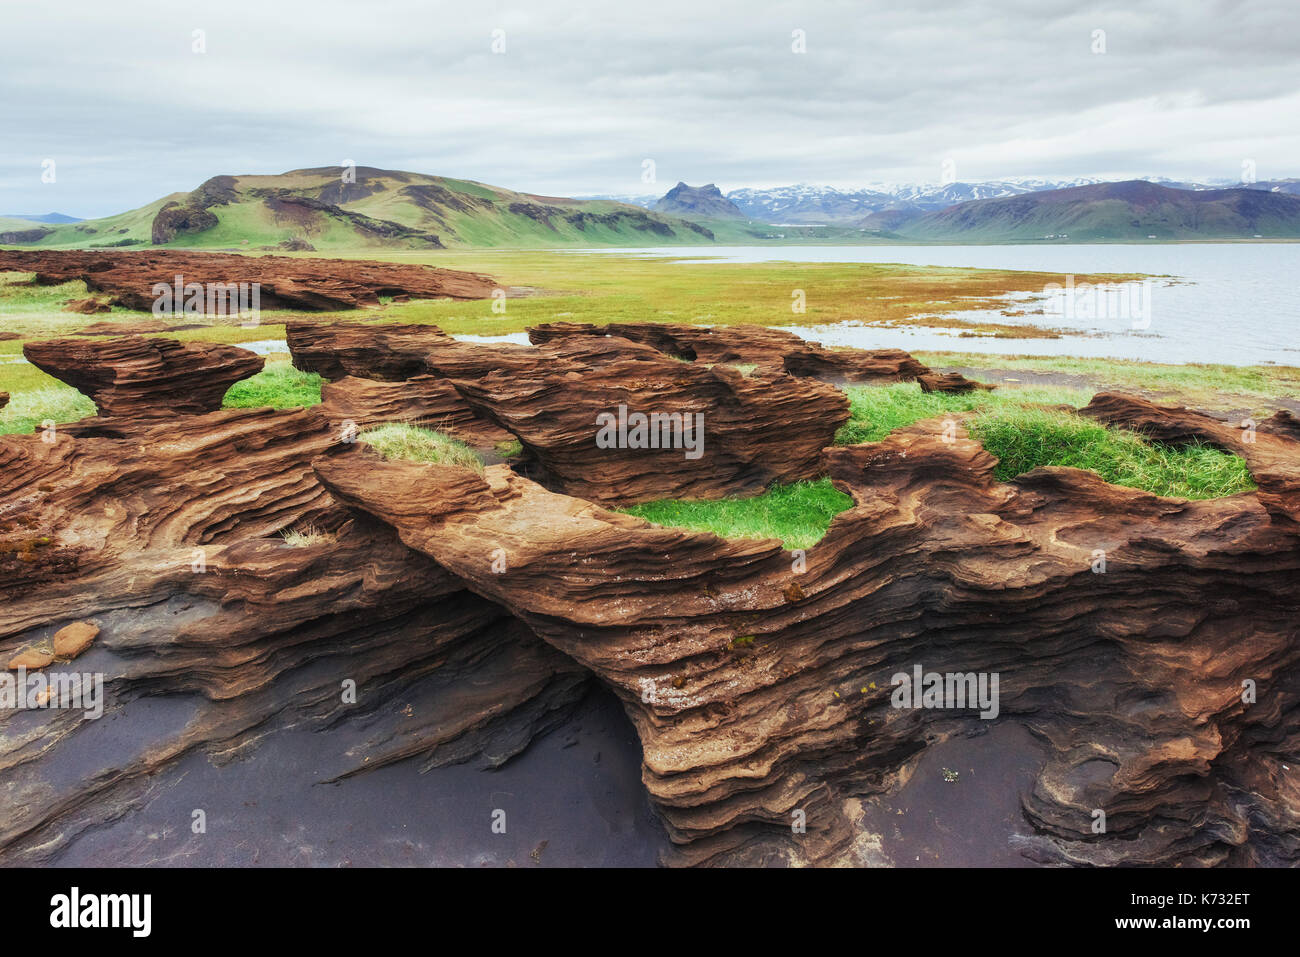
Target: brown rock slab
(426,400)
(148,377)
(87,307)
(390,352)
(646,427)
(71,640)
(285,282)
(31,659)
(763,346)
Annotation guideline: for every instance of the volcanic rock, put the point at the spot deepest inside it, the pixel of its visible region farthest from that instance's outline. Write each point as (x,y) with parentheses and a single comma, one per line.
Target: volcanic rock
(285,282)
(389,352)
(167,534)
(87,307)
(646,427)
(427,401)
(139,376)
(765,347)
(1123,627)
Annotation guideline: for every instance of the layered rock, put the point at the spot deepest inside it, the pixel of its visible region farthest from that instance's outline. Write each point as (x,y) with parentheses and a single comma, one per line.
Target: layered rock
(389,352)
(765,347)
(646,427)
(284,282)
(427,401)
(138,376)
(1149,644)
(161,540)
(1268,447)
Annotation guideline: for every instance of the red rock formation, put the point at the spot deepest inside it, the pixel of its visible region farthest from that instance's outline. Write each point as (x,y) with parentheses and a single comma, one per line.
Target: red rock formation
(87,307)
(383,351)
(285,282)
(166,535)
(646,427)
(1268,449)
(138,376)
(762,685)
(765,347)
(422,400)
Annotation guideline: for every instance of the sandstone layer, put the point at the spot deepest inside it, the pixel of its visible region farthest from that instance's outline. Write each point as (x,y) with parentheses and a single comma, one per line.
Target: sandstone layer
(285,283)
(138,376)
(1165,687)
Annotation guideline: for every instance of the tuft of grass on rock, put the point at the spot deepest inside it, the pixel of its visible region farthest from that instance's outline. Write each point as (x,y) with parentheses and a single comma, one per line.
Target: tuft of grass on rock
(27,410)
(1027,439)
(279,385)
(797,514)
(300,536)
(410,442)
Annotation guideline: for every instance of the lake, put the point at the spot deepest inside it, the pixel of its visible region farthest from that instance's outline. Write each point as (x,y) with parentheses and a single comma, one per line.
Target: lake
(1215,302)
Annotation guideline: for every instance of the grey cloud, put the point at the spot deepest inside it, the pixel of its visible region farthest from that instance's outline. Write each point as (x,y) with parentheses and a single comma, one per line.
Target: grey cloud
(585,91)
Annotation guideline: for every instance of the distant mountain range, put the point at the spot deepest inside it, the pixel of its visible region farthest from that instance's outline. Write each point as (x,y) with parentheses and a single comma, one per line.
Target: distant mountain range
(331,208)
(1110,212)
(805,204)
(42,218)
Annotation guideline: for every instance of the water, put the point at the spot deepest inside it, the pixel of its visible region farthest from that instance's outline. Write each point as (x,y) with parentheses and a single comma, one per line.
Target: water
(1229,303)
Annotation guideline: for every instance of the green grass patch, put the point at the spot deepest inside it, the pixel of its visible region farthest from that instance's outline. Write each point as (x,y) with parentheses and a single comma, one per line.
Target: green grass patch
(398,441)
(1018,426)
(27,410)
(875,411)
(1027,439)
(797,514)
(279,385)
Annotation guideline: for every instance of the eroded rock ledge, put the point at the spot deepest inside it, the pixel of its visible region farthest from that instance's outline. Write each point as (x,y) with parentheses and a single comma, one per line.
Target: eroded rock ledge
(770,349)
(759,680)
(761,688)
(137,376)
(286,283)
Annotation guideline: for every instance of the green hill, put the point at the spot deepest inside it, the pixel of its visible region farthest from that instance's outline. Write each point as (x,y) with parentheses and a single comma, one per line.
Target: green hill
(316,209)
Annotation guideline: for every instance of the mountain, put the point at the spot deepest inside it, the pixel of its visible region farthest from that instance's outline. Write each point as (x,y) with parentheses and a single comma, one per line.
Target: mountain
(1114,212)
(42,218)
(698,202)
(324,209)
(828,205)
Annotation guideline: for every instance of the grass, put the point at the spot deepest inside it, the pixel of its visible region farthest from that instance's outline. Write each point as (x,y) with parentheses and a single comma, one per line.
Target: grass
(1027,439)
(1194,384)
(875,411)
(797,514)
(410,442)
(1014,425)
(279,385)
(27,410)
(302,536)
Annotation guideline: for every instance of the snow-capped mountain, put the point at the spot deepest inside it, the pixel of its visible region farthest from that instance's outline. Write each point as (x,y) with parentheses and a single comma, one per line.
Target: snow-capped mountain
(876,205)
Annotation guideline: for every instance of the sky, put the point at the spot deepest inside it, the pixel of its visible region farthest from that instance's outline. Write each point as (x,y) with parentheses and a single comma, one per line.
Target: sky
(123,102)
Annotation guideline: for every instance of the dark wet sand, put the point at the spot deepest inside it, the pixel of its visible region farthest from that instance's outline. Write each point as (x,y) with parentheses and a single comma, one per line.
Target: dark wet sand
(577,788)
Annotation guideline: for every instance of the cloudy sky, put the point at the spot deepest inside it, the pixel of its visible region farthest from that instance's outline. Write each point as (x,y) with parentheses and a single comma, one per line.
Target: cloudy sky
(583,93)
